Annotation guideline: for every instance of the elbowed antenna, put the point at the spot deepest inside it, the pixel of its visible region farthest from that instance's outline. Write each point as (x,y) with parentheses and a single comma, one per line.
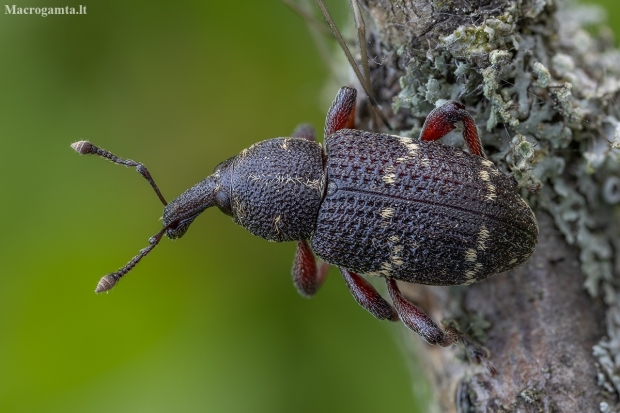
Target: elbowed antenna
(87,148)
(109,281)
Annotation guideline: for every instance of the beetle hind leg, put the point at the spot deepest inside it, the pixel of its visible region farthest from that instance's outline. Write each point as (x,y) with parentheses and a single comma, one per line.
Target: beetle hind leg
(416,320)
(366,296)
(307,277)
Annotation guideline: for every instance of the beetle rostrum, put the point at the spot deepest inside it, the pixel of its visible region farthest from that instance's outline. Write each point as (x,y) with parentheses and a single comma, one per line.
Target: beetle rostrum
(369,203)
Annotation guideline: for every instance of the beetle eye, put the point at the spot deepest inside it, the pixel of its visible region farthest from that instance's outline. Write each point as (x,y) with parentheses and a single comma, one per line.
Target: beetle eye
(222,201)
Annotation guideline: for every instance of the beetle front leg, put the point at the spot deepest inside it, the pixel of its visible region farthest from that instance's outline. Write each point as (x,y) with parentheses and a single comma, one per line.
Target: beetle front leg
(369,298)
(416,320)
(307,277)
(341,113)
(441,120)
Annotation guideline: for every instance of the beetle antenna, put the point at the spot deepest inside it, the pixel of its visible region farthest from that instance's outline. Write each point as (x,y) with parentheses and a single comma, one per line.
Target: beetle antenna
(361,31)
(107,282)
(87,148)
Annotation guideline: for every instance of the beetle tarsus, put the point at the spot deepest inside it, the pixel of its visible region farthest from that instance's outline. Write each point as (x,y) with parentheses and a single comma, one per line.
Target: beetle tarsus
(475,352)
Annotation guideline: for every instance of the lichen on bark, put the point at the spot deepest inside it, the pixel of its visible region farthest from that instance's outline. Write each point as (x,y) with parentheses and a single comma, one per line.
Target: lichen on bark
(541,78)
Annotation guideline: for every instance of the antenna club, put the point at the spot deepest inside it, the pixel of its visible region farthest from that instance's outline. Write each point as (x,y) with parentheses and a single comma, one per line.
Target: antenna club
(106,283)
(82,147)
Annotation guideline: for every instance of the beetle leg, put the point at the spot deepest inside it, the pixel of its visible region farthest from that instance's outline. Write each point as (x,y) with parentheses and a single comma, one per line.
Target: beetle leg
(369,298)
(307,277)
(341,113)
(305,131)
(416,320)
(441,120)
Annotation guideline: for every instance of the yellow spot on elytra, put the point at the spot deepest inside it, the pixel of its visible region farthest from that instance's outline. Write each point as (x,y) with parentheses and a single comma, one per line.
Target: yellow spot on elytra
(491,196)
(491,167)
(387,212)
(386,269)
(512,261)
(491,190)
(471,255)
(395,257)
(389,178)
(470,277)
(394,238)
(483,236)
(412,148)
(397,261)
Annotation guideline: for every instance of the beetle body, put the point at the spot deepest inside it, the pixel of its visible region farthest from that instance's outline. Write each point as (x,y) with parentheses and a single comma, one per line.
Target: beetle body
(368,203)
(378,204)
(419,212)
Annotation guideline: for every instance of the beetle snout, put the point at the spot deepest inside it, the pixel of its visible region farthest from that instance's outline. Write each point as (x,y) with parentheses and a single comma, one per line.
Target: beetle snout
(179,228)
(183,210)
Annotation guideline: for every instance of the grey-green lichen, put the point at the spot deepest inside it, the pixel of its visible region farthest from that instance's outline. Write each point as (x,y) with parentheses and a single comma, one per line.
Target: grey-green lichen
(545,100)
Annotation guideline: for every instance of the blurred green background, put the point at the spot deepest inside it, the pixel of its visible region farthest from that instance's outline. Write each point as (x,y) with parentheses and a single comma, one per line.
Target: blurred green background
(208,323)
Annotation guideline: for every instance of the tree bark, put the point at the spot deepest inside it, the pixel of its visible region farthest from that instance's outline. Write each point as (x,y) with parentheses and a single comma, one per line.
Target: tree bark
(544,326)
(541,90)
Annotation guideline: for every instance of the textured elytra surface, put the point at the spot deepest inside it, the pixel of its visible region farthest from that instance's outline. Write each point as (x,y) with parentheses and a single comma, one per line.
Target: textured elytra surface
(419,212)
(276,188)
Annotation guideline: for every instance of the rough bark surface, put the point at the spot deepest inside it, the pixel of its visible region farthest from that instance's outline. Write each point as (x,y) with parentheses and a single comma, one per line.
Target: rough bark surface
(542,99)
